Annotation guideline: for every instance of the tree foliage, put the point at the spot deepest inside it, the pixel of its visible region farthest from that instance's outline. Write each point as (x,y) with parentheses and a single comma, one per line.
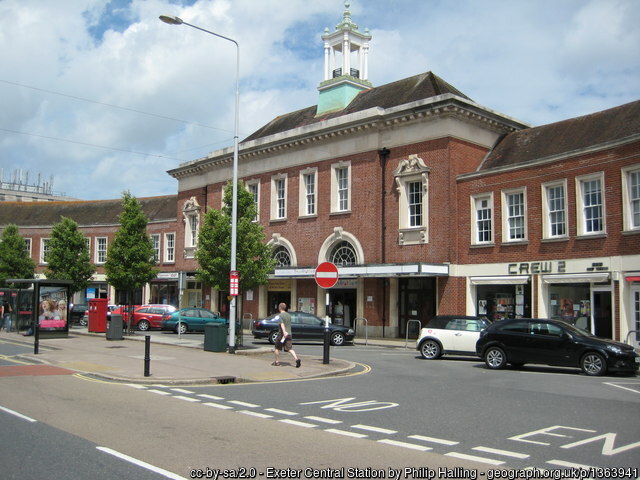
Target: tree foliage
(68,256)
(213,253)
(130,257)
(15,261)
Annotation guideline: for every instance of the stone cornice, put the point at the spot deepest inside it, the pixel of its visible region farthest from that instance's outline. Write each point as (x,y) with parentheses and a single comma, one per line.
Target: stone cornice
(442,106)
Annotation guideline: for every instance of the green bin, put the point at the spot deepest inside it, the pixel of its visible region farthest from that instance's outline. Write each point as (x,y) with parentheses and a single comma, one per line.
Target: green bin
(215,337)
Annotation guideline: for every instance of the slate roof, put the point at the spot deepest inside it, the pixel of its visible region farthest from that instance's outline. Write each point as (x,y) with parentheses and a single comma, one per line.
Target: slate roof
(566,136)
(407,90)
(84,213)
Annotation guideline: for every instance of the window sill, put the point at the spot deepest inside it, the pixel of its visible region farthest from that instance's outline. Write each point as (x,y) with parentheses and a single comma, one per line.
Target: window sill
(342,212)
(307,217)
(555,239)
(483,245)
(278,220)
(514,243)
(587,236)
(631,232)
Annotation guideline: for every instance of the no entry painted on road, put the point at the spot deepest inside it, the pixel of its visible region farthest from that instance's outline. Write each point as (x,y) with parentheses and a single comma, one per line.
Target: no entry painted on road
(326,275)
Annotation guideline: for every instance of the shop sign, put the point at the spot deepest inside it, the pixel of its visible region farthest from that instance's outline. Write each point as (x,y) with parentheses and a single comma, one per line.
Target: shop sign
(279,285)
(531,268)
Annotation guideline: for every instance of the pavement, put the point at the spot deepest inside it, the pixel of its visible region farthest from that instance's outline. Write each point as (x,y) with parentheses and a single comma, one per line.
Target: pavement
(179,359)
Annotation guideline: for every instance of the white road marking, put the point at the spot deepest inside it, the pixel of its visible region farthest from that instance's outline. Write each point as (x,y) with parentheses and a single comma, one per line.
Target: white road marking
(473,458)
(186,399)
(506,453)
(182,390)
(374,429)
(139,387)
(412,446)
(298,423)
(345,433)
(140,463)
(634,390)
(255,414)
(19,415)
(282,412)
(210,397)
(159,392)
(244,404)
(433,440)
(217,405)
(323,420)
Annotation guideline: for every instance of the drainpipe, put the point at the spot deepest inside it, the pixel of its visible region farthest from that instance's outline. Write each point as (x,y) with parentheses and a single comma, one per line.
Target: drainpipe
(383,154)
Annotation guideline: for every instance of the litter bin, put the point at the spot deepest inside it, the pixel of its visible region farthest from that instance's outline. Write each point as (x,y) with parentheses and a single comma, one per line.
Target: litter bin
(114,327)
(215,337)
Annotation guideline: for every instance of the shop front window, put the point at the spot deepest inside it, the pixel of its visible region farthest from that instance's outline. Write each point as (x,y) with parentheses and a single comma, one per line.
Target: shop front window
(571,303)
(499,302)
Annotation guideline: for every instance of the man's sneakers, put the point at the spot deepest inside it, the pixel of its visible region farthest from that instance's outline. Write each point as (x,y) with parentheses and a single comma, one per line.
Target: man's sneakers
(298,363)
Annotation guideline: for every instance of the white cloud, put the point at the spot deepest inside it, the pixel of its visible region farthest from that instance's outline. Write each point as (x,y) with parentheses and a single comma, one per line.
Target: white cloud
(536,60)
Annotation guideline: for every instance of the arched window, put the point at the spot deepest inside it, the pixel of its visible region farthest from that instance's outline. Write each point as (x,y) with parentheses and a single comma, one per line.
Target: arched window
(282,256)
(343,253)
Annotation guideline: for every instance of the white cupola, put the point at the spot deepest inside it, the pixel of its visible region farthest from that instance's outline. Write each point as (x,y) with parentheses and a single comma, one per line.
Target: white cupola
(344,49)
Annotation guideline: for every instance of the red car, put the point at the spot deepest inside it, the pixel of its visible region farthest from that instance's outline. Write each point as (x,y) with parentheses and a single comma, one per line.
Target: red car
(145,316)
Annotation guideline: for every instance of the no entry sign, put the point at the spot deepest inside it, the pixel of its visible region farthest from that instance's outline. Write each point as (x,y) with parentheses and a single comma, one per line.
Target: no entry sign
(326,275)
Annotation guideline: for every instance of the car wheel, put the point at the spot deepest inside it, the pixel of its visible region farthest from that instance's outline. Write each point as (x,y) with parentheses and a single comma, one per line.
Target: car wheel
(337,339)
(593,364)
(143,325)
(83,322)
(181,328)
(272,337)
(430,349)
(495,358)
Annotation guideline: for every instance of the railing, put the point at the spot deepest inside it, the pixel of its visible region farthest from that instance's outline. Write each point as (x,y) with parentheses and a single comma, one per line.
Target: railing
(629,335)
(366,327)
(406,343)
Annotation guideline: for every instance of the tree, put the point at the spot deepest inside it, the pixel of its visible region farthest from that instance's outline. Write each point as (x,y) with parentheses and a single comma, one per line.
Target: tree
(15,261)
(131,257)
(213,253)
(68,256)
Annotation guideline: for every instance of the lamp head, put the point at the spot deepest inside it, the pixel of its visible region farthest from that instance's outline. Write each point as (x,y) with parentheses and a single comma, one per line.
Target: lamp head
(171,20)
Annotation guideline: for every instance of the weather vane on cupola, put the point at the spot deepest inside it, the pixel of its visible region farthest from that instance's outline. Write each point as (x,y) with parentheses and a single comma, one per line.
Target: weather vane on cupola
(342,83)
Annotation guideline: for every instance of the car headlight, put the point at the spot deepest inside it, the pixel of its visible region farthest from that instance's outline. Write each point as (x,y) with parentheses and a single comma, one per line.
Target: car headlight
(614,349)
(351,332)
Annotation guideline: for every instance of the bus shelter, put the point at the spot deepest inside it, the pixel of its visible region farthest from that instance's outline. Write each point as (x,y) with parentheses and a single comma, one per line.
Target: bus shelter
(44,306)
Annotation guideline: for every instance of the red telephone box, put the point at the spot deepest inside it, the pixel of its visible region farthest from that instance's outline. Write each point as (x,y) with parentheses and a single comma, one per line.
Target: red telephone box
(98,315)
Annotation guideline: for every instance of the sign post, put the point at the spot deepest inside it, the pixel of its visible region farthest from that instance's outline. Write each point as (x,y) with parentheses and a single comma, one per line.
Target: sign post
(326,276)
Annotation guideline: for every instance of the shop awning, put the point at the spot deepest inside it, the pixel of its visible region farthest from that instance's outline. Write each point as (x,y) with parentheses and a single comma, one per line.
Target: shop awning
(500,280)
(577,278)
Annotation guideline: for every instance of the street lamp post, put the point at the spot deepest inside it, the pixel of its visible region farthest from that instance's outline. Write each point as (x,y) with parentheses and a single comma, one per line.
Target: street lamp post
(171,20)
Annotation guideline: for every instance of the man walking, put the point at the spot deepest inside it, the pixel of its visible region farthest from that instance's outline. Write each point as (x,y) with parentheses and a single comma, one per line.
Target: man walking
(284,340)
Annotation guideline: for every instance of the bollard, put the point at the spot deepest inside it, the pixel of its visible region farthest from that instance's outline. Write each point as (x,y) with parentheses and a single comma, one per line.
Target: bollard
(147,354)
(325,355)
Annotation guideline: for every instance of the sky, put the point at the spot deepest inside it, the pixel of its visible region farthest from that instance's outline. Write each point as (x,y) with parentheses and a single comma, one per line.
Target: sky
(100,97)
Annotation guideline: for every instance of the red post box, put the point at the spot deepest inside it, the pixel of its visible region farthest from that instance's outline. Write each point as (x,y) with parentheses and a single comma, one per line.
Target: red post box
(98,315)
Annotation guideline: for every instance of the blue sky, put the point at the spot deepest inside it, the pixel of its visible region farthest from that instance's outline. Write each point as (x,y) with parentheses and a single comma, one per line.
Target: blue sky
(105,98)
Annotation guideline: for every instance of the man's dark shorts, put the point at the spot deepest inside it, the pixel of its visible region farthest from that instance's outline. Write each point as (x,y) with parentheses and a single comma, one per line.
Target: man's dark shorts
(286,345)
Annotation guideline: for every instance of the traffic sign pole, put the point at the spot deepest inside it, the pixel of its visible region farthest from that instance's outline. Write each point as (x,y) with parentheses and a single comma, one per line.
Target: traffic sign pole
(326,276)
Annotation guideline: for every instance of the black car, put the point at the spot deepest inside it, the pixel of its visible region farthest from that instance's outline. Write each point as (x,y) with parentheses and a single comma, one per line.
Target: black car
(78,311)
(304,326)
(553,342)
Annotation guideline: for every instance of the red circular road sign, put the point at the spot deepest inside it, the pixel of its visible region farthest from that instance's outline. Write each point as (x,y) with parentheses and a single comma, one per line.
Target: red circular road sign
(326,275)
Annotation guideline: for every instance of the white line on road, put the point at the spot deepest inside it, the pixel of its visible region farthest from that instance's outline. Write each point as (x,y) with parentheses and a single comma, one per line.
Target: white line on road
(140,463)
(217,405)
(473,458)
(440,441)
(506,453)
(374,429)
(255,414)
(634,390)
(297,423)
(210,397)
(19,415)
(182,390)
(412,446)
(345,433)
(282,412)
(244,404)
(139,387)
(159,392)
(323,420)
(187,399)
